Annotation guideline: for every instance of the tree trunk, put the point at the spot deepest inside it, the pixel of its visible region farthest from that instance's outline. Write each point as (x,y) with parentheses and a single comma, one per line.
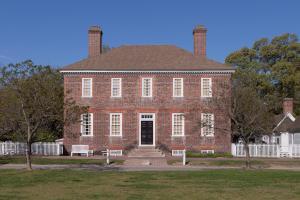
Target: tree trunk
(248,165)
(28,156)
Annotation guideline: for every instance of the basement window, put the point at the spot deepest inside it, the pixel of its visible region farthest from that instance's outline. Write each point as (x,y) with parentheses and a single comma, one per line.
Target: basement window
(177,152)
(115,152)
(207,151)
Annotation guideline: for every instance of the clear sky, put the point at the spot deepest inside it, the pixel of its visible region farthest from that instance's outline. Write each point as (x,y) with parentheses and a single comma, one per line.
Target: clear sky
(55,31)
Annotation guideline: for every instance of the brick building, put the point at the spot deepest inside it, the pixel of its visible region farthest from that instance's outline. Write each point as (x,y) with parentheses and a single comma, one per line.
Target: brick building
(149,95)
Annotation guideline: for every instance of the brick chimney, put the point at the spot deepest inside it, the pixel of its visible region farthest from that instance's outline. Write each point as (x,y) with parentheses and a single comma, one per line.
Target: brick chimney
(287,105)
(199,33)
(95,41)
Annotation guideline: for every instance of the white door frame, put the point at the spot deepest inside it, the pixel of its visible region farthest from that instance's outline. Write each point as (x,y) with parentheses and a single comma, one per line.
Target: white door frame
(140,128)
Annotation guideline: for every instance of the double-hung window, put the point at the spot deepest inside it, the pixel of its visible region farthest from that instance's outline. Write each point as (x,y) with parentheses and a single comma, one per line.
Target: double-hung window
(116,87)
(87,87)
(115,124)
(206,87)
(207,124)
(177,124)
(177,87)
(87,124)
(147,87)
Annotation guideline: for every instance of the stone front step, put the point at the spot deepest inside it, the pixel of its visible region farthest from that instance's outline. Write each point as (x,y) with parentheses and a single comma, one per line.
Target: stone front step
(145,162)
(146,153)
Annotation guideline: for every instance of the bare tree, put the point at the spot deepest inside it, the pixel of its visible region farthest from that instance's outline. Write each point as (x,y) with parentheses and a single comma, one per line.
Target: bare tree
(32,96)
(250,115)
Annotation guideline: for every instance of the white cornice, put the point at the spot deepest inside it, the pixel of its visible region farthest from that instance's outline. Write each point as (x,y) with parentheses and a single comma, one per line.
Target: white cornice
(145,71)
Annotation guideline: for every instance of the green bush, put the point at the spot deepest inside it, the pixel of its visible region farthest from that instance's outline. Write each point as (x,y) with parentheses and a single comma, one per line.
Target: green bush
(192,154)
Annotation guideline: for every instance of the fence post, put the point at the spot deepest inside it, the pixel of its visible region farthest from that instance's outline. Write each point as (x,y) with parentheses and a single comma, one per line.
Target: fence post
(233,149)
(2,148)
(107,156)
(184,158)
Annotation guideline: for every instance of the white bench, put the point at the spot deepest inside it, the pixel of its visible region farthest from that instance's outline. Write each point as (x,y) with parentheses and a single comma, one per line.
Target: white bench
(81,149)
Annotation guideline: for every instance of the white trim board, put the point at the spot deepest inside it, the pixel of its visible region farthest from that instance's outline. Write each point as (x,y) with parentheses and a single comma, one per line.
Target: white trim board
(227,71)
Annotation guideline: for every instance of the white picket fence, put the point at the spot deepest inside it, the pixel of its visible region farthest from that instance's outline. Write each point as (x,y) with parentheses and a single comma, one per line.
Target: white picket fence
(265,150)
(294,150)
(38,148)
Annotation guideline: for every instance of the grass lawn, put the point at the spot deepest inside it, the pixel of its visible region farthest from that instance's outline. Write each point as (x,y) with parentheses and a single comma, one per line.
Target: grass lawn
(46,161)
(239,162)
(218,184)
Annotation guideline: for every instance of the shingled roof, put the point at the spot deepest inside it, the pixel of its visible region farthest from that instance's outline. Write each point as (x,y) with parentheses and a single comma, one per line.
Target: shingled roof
(285,124)
(147,58)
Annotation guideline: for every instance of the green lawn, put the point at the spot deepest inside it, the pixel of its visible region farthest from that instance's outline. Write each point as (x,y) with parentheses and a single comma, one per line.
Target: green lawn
(48,160)
(239,162)
(80,184)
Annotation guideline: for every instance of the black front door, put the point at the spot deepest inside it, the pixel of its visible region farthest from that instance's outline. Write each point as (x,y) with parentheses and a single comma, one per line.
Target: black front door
(146,132)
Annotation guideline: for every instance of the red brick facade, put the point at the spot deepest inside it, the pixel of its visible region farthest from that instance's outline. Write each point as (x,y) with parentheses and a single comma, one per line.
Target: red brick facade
(162,103)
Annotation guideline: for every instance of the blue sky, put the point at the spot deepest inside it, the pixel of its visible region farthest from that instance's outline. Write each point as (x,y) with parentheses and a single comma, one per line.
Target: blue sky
(55,32)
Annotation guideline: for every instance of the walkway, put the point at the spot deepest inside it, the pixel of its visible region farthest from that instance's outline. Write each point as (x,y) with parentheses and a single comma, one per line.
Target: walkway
(114,167)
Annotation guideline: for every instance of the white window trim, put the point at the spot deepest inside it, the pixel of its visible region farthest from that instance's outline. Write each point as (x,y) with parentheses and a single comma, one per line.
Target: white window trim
(111,82)
(181,81)
(213,125)
(150,86)
(92,125)
(210,84)
(116,153)
(208,151)
(110,124)
(173,114)
(82,87)
(177,152)
(140,128)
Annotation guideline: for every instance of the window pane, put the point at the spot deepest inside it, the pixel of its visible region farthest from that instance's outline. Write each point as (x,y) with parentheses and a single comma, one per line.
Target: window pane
(178,123)
(207,124)
(86,124)
(115,125)
(178,87)
(206,87)
(147,87)
(116,87)
(87,87)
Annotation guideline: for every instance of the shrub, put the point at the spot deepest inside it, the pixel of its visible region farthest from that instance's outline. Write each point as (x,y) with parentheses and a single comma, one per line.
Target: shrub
(192,154)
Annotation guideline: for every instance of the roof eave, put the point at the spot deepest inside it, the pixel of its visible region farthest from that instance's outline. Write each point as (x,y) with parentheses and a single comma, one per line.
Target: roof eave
(226,71)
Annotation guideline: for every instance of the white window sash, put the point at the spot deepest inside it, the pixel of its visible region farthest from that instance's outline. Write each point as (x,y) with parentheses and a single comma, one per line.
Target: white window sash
(111,124)
(203,133)
(209,87)
(83,87)
(82,125)
(175,89)
(144,89)
(173,125)
(119,87)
